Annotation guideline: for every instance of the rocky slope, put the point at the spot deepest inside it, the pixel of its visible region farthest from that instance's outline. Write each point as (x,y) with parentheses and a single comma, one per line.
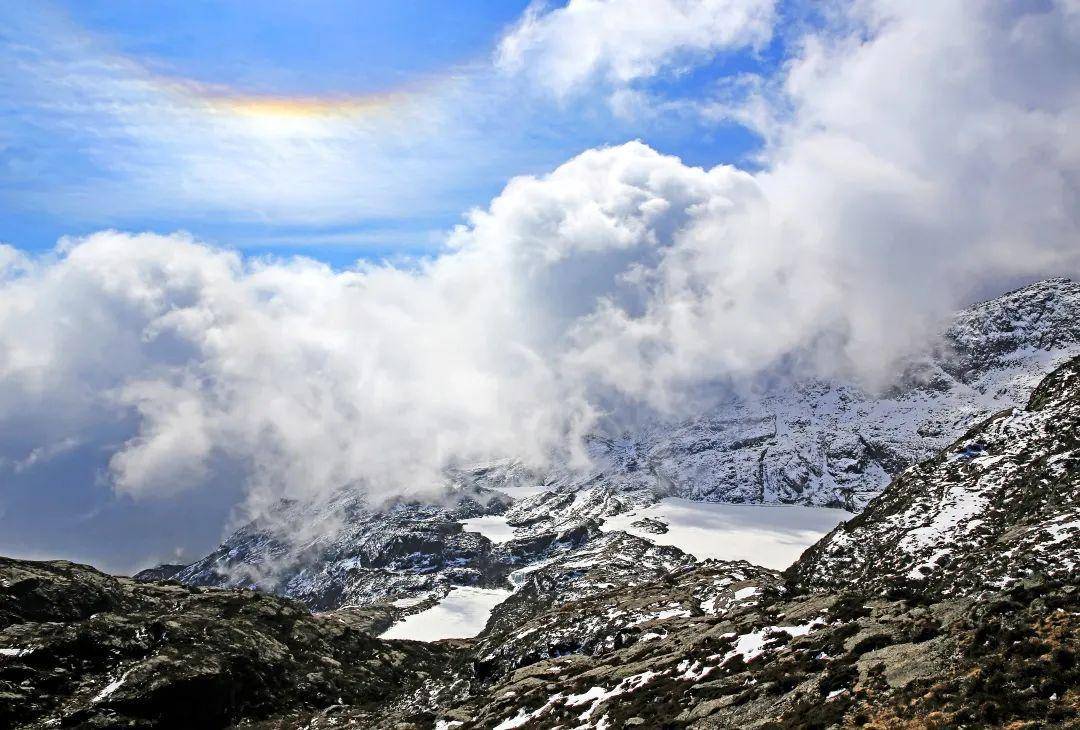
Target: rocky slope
(999,506)
(718,646)
(775,659)
(82,649)
(863,630)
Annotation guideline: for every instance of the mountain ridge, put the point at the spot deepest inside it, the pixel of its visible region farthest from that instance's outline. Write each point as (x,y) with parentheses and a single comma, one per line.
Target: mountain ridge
(612,631)
(822,443)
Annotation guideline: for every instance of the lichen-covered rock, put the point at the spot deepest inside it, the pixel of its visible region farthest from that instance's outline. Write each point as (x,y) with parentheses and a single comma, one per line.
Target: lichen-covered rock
(778,660)
(79,648)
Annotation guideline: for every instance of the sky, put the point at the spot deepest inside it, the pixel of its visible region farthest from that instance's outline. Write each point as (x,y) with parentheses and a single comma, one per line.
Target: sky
(336,130)
(264,250)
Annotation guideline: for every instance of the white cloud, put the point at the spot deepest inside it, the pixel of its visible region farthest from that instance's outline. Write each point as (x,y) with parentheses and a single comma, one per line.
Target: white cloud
(923,151)
(307,377)
(620,41)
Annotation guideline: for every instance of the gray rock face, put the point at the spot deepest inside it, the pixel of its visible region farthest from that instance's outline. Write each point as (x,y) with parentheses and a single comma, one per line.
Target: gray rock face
(999,506)
(82,649)
(166,571)
(1002,332)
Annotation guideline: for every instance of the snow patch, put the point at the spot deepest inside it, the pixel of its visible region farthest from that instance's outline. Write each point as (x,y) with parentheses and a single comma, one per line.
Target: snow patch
(408,602)
(111,687)
(752,644)
(461,615)
(493,527)
(773,536)
(524,716)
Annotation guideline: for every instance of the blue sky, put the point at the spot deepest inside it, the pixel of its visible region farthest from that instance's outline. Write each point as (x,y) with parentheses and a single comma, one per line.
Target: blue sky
(223,119)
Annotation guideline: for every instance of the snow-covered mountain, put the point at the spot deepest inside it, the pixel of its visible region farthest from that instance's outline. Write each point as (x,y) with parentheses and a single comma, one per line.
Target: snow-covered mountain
(1000,505)
(819,443)
(951,599)
(831,443)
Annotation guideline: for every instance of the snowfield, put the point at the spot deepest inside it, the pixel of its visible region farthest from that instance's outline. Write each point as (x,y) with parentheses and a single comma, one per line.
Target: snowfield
(772,536)
(493,527)
(461,615)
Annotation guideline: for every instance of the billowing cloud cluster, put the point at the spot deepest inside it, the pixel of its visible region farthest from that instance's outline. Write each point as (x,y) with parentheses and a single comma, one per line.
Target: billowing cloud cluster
(314,378)
(915,155)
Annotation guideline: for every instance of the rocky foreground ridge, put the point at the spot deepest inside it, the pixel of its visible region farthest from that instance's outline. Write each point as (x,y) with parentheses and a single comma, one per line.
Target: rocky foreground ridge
(952,601)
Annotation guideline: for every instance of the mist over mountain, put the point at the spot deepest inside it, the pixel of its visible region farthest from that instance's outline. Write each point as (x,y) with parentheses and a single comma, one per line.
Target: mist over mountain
(816,443)
(951,598)
(621,287)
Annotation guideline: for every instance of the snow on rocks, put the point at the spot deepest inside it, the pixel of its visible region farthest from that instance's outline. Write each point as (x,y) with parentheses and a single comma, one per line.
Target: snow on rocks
(588,701)
(962,522)
(752,644)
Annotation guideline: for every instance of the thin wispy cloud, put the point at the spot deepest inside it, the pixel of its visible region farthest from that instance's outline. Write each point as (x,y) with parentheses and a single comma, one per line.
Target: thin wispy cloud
(165,144)
(138,143)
